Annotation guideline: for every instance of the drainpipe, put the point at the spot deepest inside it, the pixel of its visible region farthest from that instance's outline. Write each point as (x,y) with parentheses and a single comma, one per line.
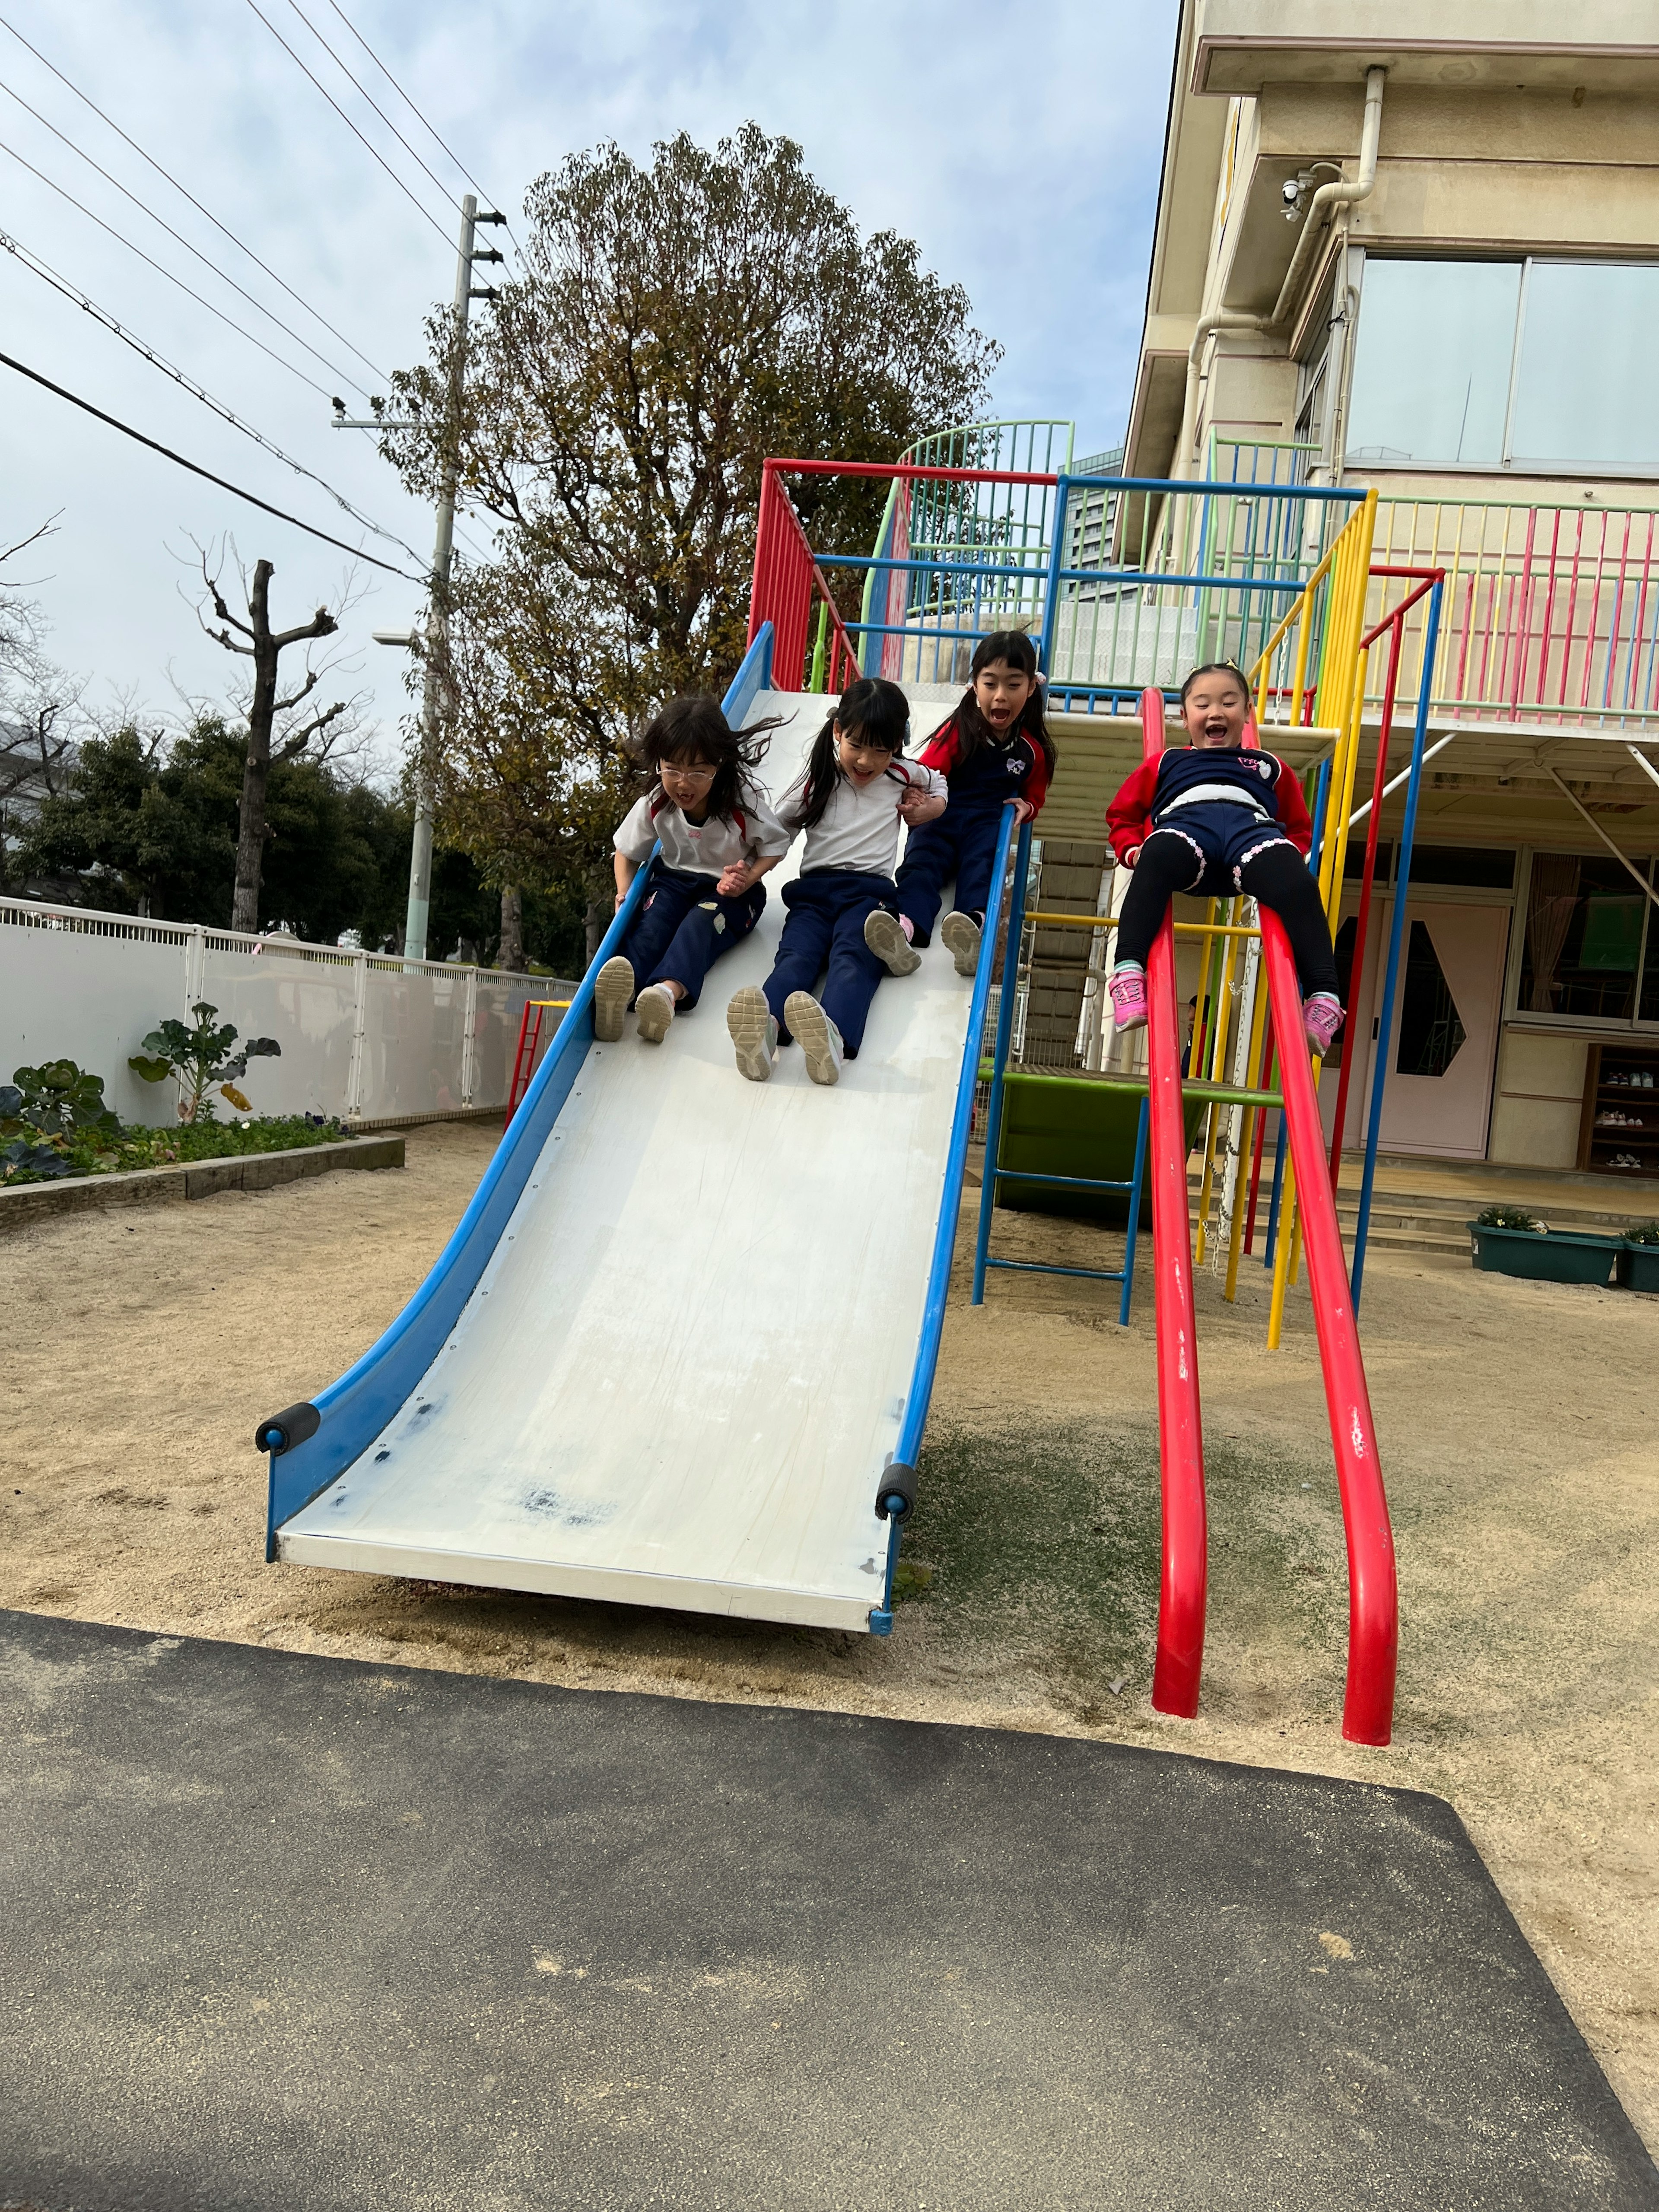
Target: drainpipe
(1327,196)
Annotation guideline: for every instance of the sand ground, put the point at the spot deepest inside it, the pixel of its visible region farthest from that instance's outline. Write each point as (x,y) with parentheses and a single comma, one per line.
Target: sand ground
(1518,1423)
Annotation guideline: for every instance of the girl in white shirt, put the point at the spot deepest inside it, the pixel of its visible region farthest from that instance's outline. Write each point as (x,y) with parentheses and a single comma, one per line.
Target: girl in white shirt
(850,800)
(717,837)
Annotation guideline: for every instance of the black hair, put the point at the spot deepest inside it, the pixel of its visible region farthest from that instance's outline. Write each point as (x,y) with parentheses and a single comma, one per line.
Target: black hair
(1014,647)
(873,711)
(692,731)
(1216,668)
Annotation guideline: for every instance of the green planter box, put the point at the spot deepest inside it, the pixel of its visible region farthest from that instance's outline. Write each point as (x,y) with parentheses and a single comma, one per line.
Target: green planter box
(1638,1268)
(1546,1256)
(1075,1128)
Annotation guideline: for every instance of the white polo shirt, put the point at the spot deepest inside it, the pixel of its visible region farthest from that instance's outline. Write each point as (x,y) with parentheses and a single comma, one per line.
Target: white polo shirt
(702,848)
(859,831)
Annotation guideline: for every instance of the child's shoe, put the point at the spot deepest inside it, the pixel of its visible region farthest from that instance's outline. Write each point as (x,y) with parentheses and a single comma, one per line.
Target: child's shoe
(961,933)
(1127,988)
(613,987)
(1322,1017)
(749,1025)
(817,1036)
(890,944)
(655,1008)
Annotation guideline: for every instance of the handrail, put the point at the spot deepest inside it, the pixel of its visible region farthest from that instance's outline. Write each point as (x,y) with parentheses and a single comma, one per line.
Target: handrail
(919,1394)
(1179,1657)
(1373,1597)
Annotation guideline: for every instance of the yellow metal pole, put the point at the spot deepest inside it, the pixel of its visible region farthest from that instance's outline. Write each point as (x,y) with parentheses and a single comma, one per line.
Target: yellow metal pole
(1282,1258)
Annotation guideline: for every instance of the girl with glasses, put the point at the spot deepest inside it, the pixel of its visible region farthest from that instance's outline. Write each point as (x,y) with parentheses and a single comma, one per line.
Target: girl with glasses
(717,837)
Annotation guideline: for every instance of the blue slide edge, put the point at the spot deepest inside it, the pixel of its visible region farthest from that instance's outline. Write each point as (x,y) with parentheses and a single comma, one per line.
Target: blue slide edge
(355,1409)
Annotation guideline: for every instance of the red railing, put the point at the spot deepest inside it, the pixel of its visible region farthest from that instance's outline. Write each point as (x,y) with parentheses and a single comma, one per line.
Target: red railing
(788,582)
(1180,1656)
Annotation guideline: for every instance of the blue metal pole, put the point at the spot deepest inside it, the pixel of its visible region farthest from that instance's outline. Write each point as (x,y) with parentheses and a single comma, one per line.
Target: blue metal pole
(1140,1177)
(1000,1060)
(1051,581)
(1278,1192)
(1396,938)
(1322,786)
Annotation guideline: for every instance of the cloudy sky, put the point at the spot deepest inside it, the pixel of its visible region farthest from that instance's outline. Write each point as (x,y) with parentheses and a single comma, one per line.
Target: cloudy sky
(1018,144)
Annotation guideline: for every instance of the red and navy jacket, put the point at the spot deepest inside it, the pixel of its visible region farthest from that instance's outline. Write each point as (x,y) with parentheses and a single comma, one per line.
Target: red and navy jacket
(1146,800)
(981,780)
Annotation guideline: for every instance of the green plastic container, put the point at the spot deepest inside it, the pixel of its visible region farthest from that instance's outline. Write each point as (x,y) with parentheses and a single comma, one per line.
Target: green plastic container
(1567,1255)
(1638,1268)
(1075,1128)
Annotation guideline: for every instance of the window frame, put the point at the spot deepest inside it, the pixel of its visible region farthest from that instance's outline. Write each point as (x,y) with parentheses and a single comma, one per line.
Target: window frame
(1602,471)
(1578,1024)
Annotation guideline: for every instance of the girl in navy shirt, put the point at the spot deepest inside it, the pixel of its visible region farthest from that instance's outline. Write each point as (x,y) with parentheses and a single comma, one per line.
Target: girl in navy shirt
(994,748)
(717,836)
(1216,818)
(851,799)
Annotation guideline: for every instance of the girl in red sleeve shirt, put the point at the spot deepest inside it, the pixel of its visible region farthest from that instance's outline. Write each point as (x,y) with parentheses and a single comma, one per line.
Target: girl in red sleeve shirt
(994,748)
(1216,818)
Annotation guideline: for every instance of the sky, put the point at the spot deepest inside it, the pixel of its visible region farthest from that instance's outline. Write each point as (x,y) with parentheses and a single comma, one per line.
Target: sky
(1017,144)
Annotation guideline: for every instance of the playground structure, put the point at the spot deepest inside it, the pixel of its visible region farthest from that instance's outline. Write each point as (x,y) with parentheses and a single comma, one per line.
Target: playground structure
(510,1429)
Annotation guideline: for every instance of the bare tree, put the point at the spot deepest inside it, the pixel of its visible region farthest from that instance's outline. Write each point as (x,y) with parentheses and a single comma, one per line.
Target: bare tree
(265,709)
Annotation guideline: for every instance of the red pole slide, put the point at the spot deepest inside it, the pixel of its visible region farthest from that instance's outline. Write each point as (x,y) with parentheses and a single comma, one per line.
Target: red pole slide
(1179,1657)
(1373,1600)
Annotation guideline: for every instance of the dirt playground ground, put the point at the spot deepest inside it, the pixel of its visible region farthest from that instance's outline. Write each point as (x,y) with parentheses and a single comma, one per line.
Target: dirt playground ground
(1518,1423)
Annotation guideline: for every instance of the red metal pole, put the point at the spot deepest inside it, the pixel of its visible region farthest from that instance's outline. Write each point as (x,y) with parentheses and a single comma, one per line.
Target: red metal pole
(1373,1599)
(1179,1657)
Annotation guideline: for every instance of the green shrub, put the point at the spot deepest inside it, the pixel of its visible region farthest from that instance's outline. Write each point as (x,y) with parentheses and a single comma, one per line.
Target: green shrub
(1507,1217)
(132,1149)
(1644,1232)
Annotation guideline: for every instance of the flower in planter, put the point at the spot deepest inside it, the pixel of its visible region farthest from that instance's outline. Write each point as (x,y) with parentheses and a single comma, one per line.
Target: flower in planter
(1510,1217)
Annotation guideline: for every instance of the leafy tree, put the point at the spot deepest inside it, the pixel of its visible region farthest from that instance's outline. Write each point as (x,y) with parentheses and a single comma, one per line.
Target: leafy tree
(671,326)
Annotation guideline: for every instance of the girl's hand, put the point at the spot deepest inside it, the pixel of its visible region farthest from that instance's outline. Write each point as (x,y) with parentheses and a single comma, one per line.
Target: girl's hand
(737,878)
(920,806)
(1023,811)
(621,896)
(1132,856)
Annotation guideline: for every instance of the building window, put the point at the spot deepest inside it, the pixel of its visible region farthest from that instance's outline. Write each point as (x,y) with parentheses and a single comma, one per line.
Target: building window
(1586,924)
(1500,364)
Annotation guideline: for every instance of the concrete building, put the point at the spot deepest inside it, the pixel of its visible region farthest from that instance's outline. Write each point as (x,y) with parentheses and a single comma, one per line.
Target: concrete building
(1415,244)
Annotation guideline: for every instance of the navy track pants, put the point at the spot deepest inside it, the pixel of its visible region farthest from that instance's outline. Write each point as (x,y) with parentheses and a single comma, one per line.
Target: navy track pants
(963,843)
(825,929)
(684,927)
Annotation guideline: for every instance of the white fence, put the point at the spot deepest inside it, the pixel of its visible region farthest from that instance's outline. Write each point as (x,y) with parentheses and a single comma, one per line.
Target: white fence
(365,1036)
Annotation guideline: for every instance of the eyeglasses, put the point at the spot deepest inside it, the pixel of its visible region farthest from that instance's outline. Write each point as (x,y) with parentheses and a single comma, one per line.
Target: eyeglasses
(666,768)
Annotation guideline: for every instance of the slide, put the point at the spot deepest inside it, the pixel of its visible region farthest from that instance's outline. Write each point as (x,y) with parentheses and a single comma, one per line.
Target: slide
(1373,1615)
(687,1323)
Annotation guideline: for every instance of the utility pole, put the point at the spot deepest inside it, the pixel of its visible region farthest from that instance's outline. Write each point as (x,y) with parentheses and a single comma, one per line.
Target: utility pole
(443,551)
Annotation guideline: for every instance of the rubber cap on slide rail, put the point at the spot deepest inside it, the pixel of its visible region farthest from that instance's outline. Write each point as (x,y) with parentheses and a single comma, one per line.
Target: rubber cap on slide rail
(895,1493)
(281,1431)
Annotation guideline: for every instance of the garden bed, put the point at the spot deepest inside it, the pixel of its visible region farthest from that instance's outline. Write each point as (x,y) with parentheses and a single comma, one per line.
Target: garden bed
(203,1176)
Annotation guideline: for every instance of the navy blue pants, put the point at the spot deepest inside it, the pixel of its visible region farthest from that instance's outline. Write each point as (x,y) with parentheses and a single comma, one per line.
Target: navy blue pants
(825,929)
(963,843)
(684,927)
(1216,851)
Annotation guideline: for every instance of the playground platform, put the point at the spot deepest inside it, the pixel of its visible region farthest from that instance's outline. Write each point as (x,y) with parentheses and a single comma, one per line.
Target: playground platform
(286,1930)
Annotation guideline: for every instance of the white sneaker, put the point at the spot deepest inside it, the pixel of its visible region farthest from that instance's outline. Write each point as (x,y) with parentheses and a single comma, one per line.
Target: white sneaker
(749,1025)
(961,933)
(817,1036)
(613,987)
(890,944)
(655,1008)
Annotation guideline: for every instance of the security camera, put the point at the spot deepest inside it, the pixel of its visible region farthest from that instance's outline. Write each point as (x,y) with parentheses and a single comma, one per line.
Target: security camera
(1290,193)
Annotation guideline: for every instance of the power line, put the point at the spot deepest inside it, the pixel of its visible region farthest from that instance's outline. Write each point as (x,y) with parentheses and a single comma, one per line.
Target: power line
(348,122)
(151,263)
(417,113)
(196,469)
(178,236)
(298,297)
(373,102)
(33,263)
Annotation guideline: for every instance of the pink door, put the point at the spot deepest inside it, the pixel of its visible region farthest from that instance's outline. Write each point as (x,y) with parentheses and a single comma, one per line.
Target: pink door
(1444,1045)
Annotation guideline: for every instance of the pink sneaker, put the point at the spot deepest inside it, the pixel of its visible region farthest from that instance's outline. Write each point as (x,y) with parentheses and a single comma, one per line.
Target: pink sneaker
(1128,989)
(1322,1017)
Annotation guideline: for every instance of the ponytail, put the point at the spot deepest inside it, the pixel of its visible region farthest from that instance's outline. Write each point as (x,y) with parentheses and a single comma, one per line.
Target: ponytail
(873,711)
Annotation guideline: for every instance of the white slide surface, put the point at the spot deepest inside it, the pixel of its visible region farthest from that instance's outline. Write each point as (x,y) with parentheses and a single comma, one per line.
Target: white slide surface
(685,1364)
